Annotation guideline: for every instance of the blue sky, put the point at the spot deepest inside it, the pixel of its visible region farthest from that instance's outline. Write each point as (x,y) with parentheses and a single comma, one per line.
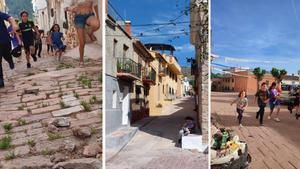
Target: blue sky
(257,33)
(159,11)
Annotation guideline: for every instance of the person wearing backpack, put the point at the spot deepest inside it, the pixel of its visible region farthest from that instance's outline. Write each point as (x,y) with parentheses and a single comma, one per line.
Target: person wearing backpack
(262,97)
(5,43)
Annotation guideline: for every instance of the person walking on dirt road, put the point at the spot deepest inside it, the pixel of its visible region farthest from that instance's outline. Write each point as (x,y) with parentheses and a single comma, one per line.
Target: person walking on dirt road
(262,97)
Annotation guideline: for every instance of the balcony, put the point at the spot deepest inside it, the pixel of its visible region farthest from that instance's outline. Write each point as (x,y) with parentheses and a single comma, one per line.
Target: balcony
(174,66)
(128,69)
(162,71)
(150,77)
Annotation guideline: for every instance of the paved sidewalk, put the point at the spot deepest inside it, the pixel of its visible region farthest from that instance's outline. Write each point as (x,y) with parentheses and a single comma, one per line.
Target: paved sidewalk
(154,146)
(274,146)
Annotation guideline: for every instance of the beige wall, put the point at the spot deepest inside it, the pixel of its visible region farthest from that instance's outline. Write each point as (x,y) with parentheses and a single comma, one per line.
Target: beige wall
(160,93)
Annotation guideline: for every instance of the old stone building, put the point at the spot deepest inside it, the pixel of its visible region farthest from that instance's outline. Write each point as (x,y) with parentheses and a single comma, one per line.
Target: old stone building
(199,38)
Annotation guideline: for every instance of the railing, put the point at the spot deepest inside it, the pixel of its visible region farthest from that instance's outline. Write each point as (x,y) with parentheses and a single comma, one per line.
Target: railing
(151,75)
(126,65)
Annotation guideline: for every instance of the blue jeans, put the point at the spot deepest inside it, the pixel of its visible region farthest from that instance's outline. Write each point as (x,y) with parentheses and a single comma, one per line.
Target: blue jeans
(80,19)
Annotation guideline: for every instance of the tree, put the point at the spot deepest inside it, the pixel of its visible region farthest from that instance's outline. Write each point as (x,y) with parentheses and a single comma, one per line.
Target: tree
(259,74)
(278,74)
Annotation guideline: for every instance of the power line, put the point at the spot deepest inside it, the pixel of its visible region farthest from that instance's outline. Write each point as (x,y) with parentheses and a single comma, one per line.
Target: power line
(161,24)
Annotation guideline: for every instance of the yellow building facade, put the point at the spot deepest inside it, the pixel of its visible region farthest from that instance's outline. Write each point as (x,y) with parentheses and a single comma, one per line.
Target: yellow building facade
(168,82)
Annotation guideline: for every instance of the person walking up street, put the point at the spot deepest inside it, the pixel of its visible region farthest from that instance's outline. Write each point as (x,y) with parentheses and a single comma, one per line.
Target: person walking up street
(27,27)
(49,43)
(274,101)
(38,42)
(5,43)
(241,104)
(56,38)
(262,97)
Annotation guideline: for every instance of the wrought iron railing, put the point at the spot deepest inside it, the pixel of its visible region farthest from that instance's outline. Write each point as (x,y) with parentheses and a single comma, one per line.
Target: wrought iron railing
(126,65)
(150,75)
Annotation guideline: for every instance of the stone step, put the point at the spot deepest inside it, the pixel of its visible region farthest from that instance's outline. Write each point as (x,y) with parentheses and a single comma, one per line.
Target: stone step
(28,162)
(67,111)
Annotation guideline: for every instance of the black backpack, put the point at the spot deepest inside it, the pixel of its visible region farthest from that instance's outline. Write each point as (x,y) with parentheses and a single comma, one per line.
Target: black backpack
(16,52)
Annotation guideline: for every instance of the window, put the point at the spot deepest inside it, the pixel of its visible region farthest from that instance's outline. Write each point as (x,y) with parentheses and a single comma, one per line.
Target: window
(114,48)
(114,100)
(125,49)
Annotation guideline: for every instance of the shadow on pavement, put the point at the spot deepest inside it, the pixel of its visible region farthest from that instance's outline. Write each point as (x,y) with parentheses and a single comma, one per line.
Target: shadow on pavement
(168,126)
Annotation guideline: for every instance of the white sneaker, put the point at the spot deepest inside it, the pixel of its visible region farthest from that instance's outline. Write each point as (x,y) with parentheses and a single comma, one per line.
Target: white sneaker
(241,126)
(277,119)
(269,117)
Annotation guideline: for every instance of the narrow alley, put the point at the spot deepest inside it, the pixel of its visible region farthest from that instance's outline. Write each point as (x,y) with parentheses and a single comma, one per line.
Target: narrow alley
(155,145)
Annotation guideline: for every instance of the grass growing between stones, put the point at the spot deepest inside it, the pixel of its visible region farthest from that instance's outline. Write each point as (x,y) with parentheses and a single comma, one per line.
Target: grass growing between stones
(7,127)
(63,105)
(31,143)
(76,95)
(5,142)
(93,130)
(85,81)
(86,106)
(62,66)
(93,100)
(10,156)
(54,136)
(45,104)
(21,107)
(46,152)
(22,122)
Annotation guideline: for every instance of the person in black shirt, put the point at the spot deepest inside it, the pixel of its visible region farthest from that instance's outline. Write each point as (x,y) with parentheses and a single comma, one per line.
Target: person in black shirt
(5,43)
(27,28)
(262,97)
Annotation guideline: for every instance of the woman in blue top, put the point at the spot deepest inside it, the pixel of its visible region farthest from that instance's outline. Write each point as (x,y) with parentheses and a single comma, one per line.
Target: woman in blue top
(57,37)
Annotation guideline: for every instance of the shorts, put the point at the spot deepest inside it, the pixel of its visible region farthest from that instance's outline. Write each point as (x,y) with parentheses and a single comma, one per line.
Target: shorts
(27,45)
(274,104)
(80,20)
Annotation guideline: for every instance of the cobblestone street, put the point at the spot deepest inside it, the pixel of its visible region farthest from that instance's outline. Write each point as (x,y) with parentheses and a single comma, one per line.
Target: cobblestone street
(51,114)
(274,146)
(154,145)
